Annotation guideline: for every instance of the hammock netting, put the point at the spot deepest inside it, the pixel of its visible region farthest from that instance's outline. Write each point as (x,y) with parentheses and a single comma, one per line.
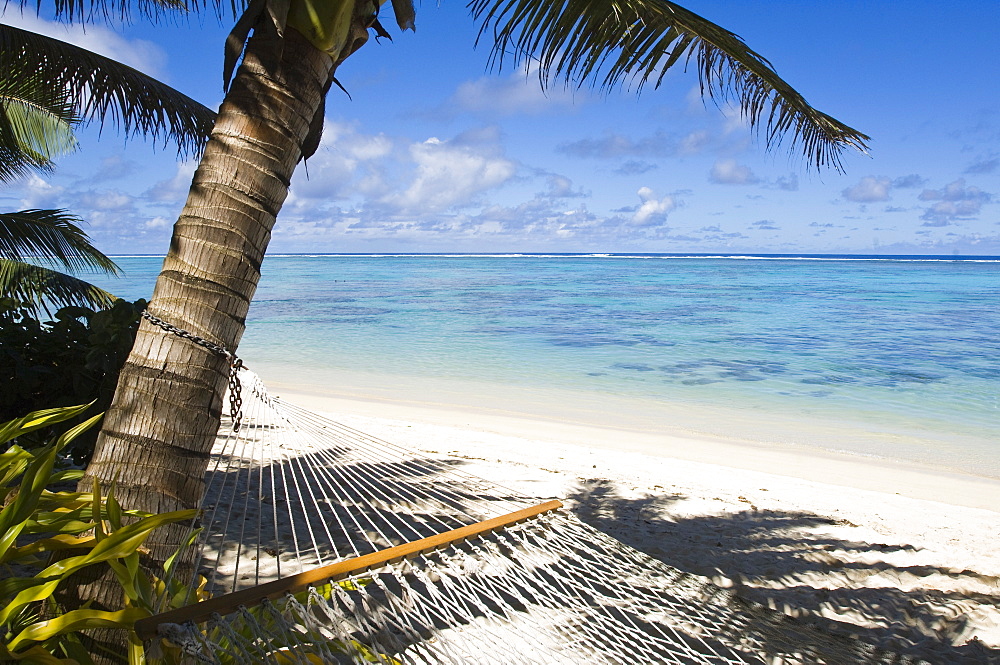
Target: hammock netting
(291,491)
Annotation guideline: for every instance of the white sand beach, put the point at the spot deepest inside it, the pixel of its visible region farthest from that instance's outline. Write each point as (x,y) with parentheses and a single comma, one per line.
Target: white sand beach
(901,551)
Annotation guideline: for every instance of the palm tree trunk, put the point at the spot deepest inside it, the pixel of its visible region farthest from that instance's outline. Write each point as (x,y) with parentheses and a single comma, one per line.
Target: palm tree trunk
(162,423)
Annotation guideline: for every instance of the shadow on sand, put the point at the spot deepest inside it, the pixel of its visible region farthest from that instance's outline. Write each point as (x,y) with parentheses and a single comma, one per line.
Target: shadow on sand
(782,560)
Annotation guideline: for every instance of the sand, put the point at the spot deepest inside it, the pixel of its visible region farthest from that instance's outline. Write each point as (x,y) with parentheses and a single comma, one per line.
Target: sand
(899,551)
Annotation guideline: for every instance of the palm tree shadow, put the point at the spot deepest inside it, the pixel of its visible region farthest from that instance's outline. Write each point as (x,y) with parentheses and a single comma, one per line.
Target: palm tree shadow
(783,561)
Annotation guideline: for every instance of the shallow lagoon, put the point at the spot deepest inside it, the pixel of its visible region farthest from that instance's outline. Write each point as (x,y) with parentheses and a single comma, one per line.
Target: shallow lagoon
(891,358)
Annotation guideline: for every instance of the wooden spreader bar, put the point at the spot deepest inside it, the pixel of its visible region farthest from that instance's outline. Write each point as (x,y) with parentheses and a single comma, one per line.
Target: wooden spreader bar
(146,628)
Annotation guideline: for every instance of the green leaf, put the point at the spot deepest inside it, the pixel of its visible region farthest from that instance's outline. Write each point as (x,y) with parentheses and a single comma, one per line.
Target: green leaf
(114,510)
(67,475)
(612,43)
(36,121)
(15,585)
(12,464)
(102,89)
(37,288)
(55,543)
(74,621)
(116,545)
(34,656)
(38,419)
(125,579)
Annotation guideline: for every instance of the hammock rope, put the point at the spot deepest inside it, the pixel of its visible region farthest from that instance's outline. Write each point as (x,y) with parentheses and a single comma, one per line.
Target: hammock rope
(414,561)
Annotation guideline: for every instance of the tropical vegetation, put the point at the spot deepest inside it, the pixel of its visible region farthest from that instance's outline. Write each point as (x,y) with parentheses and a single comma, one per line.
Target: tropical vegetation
(74,358)
(39,518)
(47,89)
(168,405)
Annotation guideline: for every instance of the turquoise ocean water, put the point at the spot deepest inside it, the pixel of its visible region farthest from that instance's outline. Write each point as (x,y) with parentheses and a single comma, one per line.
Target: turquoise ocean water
(887,357)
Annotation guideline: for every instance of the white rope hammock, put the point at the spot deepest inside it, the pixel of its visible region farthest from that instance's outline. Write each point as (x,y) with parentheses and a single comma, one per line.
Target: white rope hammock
(415,561)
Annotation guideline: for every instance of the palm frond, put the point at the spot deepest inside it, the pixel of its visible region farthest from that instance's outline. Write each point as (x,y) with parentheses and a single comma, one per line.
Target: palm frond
(37,288)
(90,11)
(53,235)
(611,43)
(104,90)
(36,124)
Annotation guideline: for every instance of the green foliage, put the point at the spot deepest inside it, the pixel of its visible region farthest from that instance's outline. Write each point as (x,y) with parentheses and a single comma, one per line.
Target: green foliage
(609,43)
(37,287)
(72,359)
(84,529)
(56,236)
(53,234)
(241,639)
(36,124)
(73,84)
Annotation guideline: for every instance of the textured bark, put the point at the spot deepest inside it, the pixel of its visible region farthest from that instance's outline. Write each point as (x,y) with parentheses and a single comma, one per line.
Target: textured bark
(162,423)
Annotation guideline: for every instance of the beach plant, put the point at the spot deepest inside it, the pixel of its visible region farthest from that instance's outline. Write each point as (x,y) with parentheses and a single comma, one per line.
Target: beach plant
(83,530)
(71,359)
(47,89)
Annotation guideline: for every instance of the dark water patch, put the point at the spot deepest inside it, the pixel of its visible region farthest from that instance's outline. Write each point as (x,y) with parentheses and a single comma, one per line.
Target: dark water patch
(654,341)
(904,376)
(742,376)
(713,321)
(591,342)
(992,373)
(635,368)
(351,320)
(781,342)
(829,379)
(597,373)
(504,331)
(717,370)
(699,382)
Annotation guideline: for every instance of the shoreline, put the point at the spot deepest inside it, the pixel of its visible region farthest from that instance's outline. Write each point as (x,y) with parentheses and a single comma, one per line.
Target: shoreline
(779,458)
(898,554)
(901,555)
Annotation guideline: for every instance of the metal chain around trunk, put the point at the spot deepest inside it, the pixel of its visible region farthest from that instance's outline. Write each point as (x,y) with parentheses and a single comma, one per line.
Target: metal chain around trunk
(235,389)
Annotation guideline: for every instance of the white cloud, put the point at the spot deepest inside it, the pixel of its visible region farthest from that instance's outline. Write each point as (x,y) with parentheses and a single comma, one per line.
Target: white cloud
(560,187)
(735,120)
(613,146)
(984,166)
(140,54)
(451,174)
(729,172)
(652,211)
(347,164)
(909,181)
(955,191)
(157,223)
(174,190)
(869,190)
(106,200)
(518,93)
(38,193)
(694,143)
(954,201)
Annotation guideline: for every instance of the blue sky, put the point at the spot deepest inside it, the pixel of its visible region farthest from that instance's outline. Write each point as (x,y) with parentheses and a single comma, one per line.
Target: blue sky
(435,153)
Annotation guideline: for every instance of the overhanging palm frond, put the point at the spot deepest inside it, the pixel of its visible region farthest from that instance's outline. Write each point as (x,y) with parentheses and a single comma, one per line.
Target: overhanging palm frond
(105,90)
(53,235)
(36,124)
(90,11)
(37,288)
(614,42)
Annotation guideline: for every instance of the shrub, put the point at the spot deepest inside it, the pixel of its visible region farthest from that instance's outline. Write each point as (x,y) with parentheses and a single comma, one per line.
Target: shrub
(73,359)
(81,529)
